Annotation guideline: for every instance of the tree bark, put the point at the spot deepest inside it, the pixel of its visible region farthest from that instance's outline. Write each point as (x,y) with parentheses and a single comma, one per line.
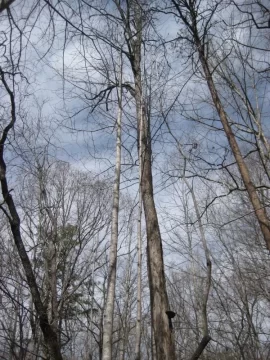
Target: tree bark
(258,207)
(139,254)
(158,294)
(202,345)
(109,307)
(163,335)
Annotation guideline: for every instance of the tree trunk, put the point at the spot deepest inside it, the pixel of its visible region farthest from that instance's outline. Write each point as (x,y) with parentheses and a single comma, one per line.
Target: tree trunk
(258,207)
(191,22)
(158,294)
(205,294)
(109,307)
(139,254)
(163,335)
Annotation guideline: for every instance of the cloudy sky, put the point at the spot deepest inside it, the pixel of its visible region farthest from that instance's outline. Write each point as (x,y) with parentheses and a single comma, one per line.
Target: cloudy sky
(64,65)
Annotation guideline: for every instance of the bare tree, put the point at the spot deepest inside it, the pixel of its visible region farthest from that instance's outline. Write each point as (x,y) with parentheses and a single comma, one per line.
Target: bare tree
(9,208)
(189,13)
(134,18)
(109,308)
(163,335)
(139,254)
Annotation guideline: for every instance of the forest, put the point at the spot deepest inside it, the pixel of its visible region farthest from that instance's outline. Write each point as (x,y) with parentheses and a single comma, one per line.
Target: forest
(135,179)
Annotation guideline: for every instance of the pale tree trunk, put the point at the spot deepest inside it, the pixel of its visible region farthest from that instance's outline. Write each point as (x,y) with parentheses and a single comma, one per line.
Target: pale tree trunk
(139,254)
(124,331)
(50,336)
(153,346)
(90,344)
(205,295)
(109,307)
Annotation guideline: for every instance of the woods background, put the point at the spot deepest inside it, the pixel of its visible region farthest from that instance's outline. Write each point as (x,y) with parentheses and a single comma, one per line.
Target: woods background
(135,178)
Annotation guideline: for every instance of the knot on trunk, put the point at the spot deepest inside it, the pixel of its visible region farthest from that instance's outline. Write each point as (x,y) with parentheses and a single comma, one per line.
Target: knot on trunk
(171,315)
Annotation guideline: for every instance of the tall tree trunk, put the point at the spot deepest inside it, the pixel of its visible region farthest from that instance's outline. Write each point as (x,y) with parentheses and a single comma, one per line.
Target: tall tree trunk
(158,295)
(139,254)
(258,207)
(109,307)
(163,335)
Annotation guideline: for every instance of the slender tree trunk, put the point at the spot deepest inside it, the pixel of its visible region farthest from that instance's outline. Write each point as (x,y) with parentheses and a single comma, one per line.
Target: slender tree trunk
(139,254)
(109,307)
(100,343)
(124,331)
(12,347)
(90,345)
(204,319)
(153,346)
